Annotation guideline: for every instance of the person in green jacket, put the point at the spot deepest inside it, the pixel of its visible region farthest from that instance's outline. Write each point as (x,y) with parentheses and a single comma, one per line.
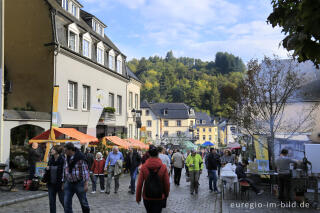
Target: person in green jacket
(195,164)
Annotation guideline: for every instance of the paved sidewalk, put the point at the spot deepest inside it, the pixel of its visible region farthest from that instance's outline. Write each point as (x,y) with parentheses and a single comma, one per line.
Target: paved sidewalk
(19,195)
(179,200)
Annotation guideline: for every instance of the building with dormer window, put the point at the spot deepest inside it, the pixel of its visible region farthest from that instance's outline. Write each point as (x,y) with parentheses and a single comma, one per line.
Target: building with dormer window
(59,43)
(167,123)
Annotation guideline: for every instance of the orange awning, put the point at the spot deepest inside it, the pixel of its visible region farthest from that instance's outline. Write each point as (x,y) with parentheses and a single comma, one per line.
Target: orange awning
(137,143)
(117,141)
(64,135)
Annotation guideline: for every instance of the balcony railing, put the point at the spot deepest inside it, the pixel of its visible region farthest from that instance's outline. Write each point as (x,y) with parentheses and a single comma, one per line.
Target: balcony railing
(108,118)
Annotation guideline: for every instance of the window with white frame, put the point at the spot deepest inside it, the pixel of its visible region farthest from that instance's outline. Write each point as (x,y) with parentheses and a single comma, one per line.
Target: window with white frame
(165,134)
(166,123)
(203,137)
(209,129)
(119,105)
(210,137)
(86,48)
(136,133)
(111,100)
(65,4)
(130,100)
(203,122)
(136,101)
(74,10)
(72,95)
(85,97)
(147,112)
(149,133)
(178,133)
(94,25)
(119,67)
(178,123)
(149,123)
(99,55)
(72,41)
(204,129)
(111,61)
(130,131)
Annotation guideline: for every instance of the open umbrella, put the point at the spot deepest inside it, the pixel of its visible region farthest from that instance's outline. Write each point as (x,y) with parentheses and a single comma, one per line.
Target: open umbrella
(207,143)
(234,146)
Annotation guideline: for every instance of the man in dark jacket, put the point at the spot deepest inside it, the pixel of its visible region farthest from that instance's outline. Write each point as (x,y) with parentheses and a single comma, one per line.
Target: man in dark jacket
(90,160)
(213,161)
(133,160)
(242,176)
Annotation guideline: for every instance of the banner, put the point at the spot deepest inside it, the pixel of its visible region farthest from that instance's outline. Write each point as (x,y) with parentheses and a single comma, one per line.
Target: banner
(261,148)
(56,120)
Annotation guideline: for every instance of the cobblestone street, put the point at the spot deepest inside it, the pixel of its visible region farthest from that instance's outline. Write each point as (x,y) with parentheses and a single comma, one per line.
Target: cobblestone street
(179,200)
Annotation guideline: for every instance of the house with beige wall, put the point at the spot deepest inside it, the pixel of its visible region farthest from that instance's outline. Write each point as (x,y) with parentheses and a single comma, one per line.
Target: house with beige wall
(167,123)
(133,106)
(206,129)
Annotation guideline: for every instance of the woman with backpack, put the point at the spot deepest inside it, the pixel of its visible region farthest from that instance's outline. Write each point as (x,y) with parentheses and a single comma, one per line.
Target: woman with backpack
(154,178)
(53,177)
(98,172)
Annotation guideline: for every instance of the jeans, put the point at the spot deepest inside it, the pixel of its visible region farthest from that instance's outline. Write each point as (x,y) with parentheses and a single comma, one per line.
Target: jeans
(116,180)
(75,188)
(213,179)
(284,187)
(177,175)
(94,182)
(194,181)
(32,170)
(133,175)
(153,206)
(53,190)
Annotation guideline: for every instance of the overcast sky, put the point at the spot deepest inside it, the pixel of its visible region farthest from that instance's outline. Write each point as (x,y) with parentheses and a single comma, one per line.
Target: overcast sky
(192,28)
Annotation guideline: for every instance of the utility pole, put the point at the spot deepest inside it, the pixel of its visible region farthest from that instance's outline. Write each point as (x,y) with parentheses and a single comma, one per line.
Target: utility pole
(2,160)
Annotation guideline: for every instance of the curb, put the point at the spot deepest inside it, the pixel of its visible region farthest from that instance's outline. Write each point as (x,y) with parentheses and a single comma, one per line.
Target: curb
(31,197)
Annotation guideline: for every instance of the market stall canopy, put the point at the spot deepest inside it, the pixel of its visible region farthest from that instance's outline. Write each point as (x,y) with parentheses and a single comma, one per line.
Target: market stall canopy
(207,143)
(189,145)
(117,141)
(63,135)
(137,143)
(233,146)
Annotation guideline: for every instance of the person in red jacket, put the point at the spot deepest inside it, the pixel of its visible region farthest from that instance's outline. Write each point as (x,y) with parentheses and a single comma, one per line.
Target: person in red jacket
(155,165)
(98,172)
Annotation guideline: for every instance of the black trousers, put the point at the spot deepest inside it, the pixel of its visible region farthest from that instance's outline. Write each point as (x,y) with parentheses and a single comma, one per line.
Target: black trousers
(177,175)
(284,187)
(153,206)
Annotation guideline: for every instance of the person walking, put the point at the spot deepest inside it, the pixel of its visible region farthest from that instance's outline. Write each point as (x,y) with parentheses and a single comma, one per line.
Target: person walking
(154,179)
(195,165)
(213,161)
(178,163)
(90,160)
(113,158)
(133,161)
(54,180)
(76,177)
(283,168)
(164,158)
(227,158)
(98,172)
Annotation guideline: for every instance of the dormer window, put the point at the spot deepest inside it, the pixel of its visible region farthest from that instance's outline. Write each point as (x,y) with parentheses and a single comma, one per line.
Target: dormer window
(97,27)
(111,60)
(119,64)
(165,112)
(94,25)
(86,45)
(74,10)
(65,4)
(73,37)
(100,53)
(72,41)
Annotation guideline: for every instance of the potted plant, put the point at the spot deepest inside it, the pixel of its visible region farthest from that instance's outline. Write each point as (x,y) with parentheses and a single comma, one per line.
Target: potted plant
(110,110)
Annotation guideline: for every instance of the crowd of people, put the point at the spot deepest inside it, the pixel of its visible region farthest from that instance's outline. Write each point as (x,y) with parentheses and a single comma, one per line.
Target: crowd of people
(69,171)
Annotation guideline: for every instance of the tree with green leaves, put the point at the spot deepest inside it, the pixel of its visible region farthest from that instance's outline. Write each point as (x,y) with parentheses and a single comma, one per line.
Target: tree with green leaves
(300,21)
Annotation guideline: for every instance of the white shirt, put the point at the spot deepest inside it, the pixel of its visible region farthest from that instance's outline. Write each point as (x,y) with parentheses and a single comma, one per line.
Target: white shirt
(165,160)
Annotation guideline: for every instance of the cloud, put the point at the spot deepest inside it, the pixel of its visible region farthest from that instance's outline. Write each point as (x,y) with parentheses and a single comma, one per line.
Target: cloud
(196,28)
